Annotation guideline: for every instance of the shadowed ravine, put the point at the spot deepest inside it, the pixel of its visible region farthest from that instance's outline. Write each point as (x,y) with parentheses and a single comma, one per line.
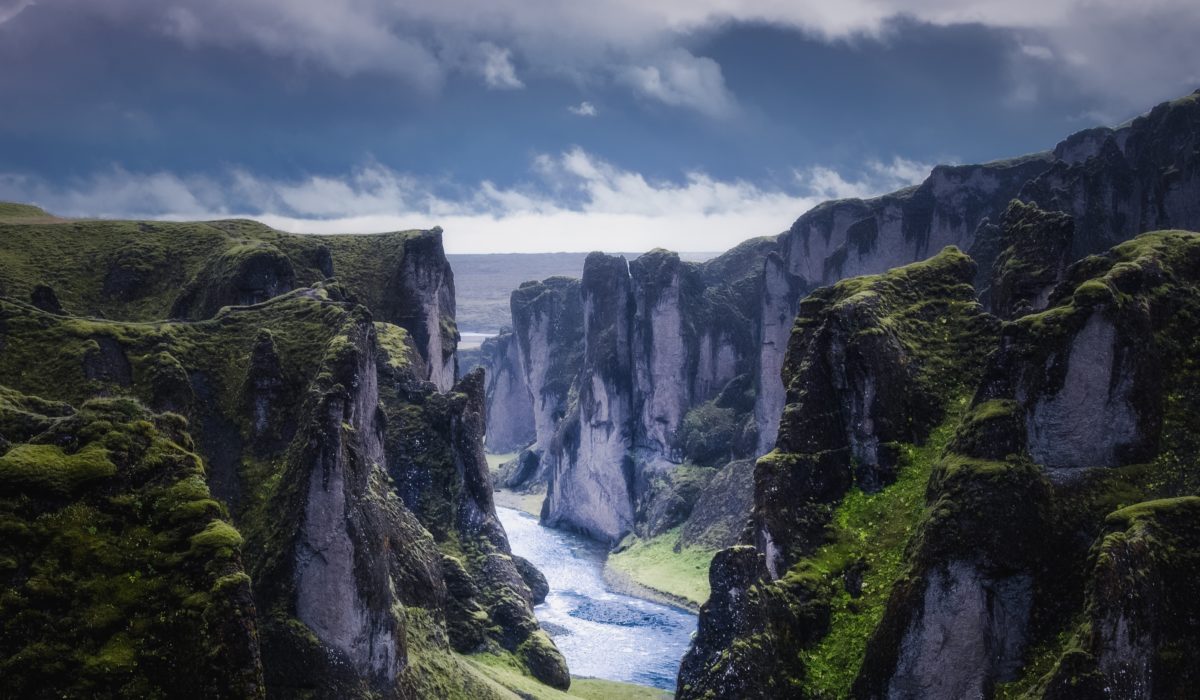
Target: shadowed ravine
(602,634)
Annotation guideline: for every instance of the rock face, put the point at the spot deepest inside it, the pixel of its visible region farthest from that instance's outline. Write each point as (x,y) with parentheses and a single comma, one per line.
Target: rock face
(872,365)
(969,624)
(1033,248)
(733,316)
(592,477)
(548,324)
(659,351)
(328,566)
(510,406)
(373,555)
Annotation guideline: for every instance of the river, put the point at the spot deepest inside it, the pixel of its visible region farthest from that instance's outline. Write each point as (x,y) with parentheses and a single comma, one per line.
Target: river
(602,634)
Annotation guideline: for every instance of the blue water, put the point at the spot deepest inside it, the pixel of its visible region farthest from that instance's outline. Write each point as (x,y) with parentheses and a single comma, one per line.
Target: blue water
(602,634)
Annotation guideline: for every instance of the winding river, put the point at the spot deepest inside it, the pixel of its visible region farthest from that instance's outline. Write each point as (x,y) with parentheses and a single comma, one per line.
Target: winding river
(602,634)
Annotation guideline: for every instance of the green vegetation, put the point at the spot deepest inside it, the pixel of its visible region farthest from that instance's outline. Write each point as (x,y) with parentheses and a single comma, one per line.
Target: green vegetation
(708,433)
(117,570)
(868,537)
(14,210)
(527,501)
(661,564)
(507,674)
(47,469)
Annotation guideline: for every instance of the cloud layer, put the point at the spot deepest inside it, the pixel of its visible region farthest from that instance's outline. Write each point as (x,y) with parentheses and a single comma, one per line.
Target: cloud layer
(572,201)
(649,45)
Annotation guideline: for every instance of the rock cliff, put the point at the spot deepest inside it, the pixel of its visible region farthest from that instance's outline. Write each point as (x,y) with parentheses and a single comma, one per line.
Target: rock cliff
(696,329)
(325,458)
(1000,550)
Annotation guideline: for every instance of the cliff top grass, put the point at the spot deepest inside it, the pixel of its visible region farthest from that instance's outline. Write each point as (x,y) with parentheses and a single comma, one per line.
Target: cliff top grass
(16,210)
(138,270)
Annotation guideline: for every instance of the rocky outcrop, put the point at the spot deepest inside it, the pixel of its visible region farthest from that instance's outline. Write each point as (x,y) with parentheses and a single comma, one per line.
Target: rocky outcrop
(327,559)
(1028,483)
(548,324)
(1114,183)
(663,340)
(1141,606)
(872,365)
(1117,183)
(592,477)
(1033,246)
(510,425)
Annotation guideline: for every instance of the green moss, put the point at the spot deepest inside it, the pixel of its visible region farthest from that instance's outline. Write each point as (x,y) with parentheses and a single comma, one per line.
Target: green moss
(47,469)
(868,536)
(397,343)
(101,597)
(218,536)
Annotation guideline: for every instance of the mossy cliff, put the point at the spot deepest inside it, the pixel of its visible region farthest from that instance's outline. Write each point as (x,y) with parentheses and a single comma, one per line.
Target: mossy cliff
(706,341)
(1026,543)
(356,492)
(153,270)
(121,575)
(875,364)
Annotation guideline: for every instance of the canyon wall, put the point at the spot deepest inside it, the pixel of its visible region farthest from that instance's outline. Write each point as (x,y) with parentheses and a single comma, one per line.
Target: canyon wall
(325,505)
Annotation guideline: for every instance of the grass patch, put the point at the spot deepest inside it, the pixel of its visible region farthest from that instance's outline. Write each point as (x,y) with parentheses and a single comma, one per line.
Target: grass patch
(495,461)
(526,502)
(655,563)
(14,210)
(504,674)
(873,528)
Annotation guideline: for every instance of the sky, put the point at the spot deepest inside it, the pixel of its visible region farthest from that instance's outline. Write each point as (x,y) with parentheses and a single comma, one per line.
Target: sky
(552,125)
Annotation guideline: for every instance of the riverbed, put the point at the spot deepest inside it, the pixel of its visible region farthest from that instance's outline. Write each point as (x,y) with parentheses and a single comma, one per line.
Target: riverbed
(601,633)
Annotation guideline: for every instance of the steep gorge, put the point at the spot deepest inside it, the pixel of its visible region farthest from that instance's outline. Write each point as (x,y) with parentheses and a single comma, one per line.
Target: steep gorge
(696,343)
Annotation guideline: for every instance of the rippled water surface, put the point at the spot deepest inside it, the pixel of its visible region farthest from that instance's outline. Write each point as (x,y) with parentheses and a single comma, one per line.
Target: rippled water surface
(602,634)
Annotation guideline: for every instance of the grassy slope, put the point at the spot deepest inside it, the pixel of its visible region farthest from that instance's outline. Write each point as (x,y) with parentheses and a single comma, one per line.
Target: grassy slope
(15,210)
(655,564)
(876,528)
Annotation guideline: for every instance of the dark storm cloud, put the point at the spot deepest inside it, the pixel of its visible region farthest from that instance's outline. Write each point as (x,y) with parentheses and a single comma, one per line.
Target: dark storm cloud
(173,107)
